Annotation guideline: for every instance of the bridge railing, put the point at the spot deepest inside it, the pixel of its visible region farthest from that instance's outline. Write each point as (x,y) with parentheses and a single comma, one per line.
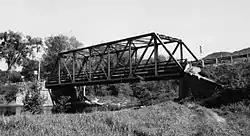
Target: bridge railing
(223,60)
(121,74)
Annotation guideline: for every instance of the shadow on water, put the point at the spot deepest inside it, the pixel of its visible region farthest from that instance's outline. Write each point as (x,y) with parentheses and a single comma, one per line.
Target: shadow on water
(7,110)
(226,97)
(223,97)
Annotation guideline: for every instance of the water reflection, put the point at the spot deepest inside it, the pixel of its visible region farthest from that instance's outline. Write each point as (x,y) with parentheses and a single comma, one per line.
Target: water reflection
(6,110)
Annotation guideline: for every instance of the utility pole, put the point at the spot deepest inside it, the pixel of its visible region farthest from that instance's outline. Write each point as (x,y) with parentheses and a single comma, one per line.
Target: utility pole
(201,52)
(201,57)
(39,70)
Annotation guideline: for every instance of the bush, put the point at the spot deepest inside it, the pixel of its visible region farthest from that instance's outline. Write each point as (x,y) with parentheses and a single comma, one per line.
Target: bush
(10,92)
(143,93)
(33,101)
(231,75)
(241,107)
(121,89)
(15,77)
(110,90)
(155,91)
(63,105)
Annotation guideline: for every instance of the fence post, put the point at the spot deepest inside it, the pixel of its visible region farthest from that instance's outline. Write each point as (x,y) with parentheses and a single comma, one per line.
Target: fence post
(247,57)
(231,59)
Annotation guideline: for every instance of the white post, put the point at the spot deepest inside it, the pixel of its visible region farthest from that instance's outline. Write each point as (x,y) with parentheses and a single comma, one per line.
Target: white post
(84,93)
(201,52)
(39,70)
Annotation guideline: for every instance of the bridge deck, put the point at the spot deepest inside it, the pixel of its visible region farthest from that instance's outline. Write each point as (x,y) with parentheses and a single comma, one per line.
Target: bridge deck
(165,71)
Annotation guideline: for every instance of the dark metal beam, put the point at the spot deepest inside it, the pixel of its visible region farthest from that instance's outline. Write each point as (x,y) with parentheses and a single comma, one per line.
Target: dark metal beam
(179,65)
(73,70)
(109,43)
(190,51)
(59,72)
(156,56)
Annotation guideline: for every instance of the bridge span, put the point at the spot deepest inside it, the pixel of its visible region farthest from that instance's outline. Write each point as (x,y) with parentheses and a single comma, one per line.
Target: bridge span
(145,57)
(119,61)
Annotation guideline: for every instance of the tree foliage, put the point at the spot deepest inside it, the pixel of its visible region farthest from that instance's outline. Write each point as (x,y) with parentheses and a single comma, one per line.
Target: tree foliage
(10,92)
(232,76)
(15,47)
(29,66)
(3,77)
(55,45)
(15,77)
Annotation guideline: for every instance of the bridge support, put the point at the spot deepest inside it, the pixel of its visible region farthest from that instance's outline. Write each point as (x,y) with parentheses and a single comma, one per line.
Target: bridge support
(197,86)
(183,92)
(58,92)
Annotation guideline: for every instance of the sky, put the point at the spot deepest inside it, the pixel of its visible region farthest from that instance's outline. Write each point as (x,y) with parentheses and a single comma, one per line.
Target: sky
(216,25)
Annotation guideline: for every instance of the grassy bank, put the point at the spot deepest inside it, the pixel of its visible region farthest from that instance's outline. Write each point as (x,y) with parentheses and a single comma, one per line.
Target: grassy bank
(167,118)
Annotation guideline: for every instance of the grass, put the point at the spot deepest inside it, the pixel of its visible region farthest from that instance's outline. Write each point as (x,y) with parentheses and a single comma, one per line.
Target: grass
(168,118)
(237,115)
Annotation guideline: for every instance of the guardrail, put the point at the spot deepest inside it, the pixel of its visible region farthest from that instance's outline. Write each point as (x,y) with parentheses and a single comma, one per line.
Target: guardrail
(226,59)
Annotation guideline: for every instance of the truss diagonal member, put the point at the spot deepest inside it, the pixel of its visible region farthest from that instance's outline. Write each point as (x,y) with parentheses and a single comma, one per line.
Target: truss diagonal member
(169,53)
(56,64)
(190,51)
(103,70)
(82,65)
(64,63)
(145,50)
(87,75)
(101,58)
(119,59)
(176,47)
(151,54)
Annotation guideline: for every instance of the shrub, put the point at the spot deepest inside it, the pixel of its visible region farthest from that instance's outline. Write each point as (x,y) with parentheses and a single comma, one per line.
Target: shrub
(231,75)
(98,90)
(10,92)
(33,101)
(154,91)
(241,107)
(121,89)
(15,77)
(63,105)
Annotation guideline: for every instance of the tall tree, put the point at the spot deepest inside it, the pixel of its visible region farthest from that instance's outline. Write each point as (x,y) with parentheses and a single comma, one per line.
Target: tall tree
(15,47)
(56,44)
(29,66)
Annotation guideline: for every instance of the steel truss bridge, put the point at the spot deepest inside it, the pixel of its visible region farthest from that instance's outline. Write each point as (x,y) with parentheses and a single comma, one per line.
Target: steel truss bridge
(127,60)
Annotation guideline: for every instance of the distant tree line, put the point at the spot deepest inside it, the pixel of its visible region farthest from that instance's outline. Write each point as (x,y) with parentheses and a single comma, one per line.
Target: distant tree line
(20,50)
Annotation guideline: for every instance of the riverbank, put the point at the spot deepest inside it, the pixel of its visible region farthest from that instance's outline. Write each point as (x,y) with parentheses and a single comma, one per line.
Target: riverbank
(15,109)
(168,118)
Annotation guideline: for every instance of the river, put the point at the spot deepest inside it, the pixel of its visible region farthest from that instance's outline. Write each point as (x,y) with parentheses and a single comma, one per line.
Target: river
(7,110)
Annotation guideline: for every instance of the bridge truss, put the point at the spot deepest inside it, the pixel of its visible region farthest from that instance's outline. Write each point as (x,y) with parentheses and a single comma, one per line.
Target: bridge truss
(126,60)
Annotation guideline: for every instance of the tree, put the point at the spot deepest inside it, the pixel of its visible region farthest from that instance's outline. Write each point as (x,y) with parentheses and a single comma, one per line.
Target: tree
(29,66)
(15,47)
(15,77)
(10,92)
(3,77)
(55,45)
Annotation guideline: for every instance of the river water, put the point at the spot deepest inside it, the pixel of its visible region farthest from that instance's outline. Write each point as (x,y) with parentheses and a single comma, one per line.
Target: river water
(7,110)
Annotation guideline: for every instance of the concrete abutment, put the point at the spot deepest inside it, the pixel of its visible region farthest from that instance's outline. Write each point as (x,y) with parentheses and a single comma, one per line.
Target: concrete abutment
(196,85)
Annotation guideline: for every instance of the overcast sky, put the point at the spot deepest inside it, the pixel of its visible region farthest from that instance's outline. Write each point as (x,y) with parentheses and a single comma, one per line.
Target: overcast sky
(217,25)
